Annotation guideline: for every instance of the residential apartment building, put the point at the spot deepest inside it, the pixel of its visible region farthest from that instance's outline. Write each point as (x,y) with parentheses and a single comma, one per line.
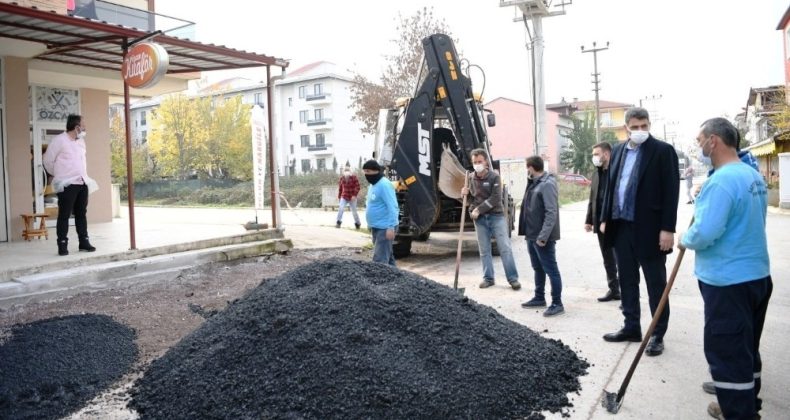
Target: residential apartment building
(761,134)
(313,119)
(612,114)
(513,140)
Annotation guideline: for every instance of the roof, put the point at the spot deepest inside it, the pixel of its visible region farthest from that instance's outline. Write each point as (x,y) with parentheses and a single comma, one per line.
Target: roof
(583,105)
(98,44)
(785,18)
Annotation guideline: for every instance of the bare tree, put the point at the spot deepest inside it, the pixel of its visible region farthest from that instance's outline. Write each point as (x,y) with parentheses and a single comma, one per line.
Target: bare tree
(400,77)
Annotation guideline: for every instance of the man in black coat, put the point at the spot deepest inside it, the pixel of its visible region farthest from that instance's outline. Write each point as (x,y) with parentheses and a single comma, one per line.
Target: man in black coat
(602,155)
(638,218)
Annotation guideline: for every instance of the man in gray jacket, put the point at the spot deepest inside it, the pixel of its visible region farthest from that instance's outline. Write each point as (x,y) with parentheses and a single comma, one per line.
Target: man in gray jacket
(539,222)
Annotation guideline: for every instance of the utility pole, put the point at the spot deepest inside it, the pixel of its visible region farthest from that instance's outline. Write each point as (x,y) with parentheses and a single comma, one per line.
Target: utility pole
(535,11)
(595,82)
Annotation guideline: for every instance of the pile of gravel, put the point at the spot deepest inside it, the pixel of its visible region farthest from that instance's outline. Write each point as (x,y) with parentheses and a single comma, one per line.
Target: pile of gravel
(52,367)
(351,339)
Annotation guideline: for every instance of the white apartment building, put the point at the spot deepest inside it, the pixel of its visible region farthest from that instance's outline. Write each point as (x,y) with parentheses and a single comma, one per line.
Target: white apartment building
(314,127)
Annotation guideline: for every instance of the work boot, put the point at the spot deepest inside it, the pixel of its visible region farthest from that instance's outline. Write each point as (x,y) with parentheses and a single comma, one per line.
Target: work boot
(515,285)
(715,411)
(357,225)
(486,284)
(86,246)
(63,247)
(554,309)
(338,224)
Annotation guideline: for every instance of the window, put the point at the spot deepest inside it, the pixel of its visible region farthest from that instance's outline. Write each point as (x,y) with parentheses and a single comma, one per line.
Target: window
(303,116)
(318,89)
(606,119)
(305,141)
(292,149)
(319,114)
(258,98)
(143,137)
(290,101)
(291,125)
(320,140)
(321,163)
(142,118)
(305,165)
(302,90)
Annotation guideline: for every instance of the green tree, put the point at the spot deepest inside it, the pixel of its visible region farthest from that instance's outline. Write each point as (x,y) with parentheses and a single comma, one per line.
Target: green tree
(178,137)
(399,79)
(577,156)
(142,170)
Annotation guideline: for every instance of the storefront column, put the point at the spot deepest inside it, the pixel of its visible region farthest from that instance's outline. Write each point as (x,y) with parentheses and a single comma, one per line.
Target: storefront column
(18,158)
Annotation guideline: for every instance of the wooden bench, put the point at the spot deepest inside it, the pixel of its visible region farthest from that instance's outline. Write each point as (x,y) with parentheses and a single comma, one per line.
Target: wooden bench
(31,231)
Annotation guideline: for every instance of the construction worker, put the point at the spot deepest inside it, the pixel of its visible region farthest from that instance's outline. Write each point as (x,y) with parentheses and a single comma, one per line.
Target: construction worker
(347,191)
(733,269)
(381,213)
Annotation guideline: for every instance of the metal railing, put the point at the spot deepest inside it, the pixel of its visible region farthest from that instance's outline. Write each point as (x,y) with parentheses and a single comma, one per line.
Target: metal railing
(322,121)
(134,18)
(317,96)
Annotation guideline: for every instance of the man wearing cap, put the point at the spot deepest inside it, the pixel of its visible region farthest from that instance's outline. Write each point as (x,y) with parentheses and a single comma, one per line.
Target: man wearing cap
(381,213)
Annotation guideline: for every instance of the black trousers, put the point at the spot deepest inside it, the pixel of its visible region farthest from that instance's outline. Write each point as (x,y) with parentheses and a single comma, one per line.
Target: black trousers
(73,199)
(734,318)
(655,270)
(609,264)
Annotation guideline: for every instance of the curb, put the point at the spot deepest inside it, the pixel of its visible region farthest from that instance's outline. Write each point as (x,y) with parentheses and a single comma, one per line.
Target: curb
(37,287)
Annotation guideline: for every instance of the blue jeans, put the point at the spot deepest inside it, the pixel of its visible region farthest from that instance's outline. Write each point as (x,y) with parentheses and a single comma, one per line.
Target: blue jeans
(382,247)
(544,262)
(490,226)
(352,204)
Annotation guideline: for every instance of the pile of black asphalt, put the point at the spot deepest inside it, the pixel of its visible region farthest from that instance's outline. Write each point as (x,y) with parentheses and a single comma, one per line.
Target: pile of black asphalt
(341,339)
(51,368)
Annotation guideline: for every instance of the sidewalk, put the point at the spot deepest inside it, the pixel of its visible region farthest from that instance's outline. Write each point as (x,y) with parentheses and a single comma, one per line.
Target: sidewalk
(168,226)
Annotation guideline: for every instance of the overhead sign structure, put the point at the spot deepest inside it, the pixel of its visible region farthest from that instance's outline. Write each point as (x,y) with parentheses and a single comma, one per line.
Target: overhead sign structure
(145,65)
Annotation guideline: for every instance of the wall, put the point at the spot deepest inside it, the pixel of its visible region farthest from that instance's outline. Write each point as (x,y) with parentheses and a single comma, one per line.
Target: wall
(94,108)
(20,176)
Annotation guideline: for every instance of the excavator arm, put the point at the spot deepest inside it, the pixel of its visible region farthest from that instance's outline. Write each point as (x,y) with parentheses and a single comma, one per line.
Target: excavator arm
(447,93)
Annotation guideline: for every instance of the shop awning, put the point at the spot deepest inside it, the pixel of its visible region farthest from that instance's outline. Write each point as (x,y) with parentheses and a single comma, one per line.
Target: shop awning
(91,43)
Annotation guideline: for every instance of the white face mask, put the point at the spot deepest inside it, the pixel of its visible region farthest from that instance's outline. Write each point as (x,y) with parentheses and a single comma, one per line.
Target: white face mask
(701,155)
(479,167)
(347,173)
(639,136)
(596,160)
(82,134)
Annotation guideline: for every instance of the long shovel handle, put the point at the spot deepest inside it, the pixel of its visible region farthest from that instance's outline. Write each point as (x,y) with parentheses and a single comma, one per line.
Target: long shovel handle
(659,310)
(461,234)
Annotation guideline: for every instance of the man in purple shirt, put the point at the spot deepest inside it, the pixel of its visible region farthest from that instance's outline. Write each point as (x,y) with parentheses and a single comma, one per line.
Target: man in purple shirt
(65,161)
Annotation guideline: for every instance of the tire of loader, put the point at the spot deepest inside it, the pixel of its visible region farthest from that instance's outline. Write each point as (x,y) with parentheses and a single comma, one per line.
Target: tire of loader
(401,248)
(424,237)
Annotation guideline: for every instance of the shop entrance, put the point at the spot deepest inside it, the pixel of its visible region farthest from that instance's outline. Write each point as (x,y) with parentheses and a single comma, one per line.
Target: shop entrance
(45,200)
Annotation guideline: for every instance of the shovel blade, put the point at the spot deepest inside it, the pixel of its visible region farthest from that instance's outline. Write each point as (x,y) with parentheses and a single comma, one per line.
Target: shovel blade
(610,402)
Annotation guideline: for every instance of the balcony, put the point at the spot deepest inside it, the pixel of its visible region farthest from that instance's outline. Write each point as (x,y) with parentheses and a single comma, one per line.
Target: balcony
(134,18)
(322,124)
(318,98)
(325,149)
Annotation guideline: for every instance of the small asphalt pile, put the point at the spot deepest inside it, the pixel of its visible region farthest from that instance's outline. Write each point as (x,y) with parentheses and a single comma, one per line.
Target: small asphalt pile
(351,339)
(51,368)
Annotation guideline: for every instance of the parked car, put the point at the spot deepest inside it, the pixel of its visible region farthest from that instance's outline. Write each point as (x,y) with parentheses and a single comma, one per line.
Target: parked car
(575,178)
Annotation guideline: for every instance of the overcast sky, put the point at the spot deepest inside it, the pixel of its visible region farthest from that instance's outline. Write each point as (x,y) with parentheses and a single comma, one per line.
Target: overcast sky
(700,56)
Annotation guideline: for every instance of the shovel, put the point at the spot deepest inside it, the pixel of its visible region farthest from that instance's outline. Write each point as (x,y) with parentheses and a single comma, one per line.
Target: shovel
(613,401)
(461,236)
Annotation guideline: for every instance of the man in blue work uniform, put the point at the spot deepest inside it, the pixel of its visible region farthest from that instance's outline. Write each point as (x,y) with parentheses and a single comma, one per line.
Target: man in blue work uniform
(733,269)
(381,212)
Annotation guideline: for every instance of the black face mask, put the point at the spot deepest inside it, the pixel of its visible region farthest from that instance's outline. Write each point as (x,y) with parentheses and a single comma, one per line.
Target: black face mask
(372,179)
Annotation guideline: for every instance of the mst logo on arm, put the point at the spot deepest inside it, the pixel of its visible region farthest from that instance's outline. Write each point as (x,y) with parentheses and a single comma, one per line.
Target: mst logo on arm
(424,150)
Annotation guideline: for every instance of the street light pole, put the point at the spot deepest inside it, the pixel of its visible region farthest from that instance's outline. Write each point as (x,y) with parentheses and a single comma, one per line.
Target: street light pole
(596,81)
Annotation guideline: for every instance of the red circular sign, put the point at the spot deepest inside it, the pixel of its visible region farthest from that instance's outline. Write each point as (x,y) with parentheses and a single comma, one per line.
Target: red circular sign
(144,65)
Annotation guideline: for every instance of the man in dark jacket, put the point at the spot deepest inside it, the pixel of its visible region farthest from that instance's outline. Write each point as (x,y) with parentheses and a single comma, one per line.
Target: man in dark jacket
(602,153)
(539,223)
(638,217)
